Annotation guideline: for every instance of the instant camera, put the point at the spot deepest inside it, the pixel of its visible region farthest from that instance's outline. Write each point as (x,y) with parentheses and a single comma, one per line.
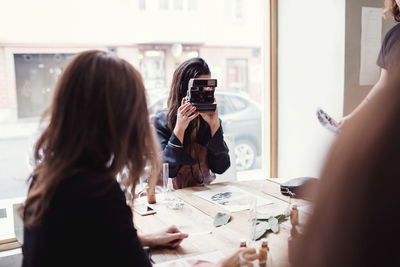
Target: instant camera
(201,94)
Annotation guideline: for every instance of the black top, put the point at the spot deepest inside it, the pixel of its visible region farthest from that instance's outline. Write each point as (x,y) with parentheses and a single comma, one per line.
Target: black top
(176,156)
(390,48)
(88,224)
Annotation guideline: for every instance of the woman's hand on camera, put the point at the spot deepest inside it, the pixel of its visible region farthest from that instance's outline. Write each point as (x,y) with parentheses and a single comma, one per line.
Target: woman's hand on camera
(186,113)
(212,119)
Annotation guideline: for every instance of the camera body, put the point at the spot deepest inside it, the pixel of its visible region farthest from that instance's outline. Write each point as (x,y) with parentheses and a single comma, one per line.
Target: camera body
(200,94)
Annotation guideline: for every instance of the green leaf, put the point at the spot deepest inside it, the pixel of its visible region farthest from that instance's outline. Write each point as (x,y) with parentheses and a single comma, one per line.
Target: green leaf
(274,224)
(281,218)
(221,219)
(261,230)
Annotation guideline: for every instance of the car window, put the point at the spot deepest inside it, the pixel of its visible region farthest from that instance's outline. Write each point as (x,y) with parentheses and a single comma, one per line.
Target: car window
(224,105)
(238,103)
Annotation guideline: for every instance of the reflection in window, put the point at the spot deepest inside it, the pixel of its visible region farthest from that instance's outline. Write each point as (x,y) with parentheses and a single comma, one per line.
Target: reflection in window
(36,76)
(152,68)
(237,74)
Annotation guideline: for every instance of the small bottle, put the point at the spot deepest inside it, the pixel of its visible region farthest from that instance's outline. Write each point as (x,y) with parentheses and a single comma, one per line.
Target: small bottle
(151,195)
(294,216)
(243,243)
(263,254)
(169,194)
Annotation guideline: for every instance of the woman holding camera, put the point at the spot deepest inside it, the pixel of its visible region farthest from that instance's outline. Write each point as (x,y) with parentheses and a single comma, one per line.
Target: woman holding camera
(192,142)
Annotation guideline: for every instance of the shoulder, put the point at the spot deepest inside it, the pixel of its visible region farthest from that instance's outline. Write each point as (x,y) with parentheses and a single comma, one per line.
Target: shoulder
(88,186)
(160,120)
(392,34)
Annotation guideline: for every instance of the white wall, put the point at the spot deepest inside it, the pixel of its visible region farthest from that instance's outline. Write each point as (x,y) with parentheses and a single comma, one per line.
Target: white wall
(311,47)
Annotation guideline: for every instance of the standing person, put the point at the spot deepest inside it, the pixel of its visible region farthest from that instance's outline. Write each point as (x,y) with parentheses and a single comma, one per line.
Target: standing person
(355,218)
(389,49)
(193,144)
(75,213)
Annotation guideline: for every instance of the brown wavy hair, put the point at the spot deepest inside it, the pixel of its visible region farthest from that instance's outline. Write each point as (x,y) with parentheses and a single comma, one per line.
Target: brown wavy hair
(98,121)
(391,9)
(191,68)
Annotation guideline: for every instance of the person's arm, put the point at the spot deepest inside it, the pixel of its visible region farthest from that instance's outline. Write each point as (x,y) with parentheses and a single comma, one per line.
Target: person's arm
(382,82)
(171,237)
(172,148)
(218,153)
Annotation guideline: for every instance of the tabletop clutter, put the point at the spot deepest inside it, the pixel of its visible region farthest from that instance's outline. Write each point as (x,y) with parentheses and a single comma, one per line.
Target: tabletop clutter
(232,199)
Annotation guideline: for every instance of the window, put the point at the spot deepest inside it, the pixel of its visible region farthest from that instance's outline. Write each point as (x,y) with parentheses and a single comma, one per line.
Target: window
(142,4)
(237,74)
(36,75)
(163,4)
(192,5)
(152,67)
(234,10)
(155,37)
(178,4)
(238,103)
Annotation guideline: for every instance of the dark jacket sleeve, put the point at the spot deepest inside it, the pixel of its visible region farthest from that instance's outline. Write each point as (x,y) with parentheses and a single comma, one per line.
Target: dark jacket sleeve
(218,152)
(173,152)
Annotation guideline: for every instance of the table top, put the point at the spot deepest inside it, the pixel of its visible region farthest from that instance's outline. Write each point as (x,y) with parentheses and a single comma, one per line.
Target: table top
(198,214)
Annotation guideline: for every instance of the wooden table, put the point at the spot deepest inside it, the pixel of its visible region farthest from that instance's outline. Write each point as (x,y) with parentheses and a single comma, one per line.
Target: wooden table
(198,214)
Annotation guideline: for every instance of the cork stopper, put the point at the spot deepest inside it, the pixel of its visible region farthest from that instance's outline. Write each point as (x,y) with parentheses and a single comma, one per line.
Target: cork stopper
(264,243)
(151,195)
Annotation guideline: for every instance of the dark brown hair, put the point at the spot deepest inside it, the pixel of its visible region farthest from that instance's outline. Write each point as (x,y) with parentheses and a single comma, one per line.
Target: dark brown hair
(391,9)
(356,215)
(98,121)
(191,68)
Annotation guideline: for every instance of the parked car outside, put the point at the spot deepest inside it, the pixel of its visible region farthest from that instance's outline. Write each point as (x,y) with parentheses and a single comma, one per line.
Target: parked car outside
(241,122)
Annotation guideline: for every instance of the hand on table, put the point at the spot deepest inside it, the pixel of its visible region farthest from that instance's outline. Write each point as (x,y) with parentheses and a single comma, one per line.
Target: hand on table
(242,257)
(171,237)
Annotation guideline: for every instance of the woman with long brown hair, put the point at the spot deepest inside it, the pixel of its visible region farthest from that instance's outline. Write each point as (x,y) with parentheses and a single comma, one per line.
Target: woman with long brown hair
(75,213)
(193,144)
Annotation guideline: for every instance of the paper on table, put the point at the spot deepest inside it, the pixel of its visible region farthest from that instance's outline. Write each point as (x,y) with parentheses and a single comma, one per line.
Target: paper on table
(211,258)
(231,198)
(371,35)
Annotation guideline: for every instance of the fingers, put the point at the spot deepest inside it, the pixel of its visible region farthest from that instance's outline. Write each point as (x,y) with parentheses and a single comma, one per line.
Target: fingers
(249,254)
(173,229)
(194,115)
(176,239)
(184,107)
(175,243)
(186,110)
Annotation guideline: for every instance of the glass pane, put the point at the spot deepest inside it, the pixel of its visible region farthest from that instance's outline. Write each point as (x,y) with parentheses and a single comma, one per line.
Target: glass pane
(155,37)
(36,76)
